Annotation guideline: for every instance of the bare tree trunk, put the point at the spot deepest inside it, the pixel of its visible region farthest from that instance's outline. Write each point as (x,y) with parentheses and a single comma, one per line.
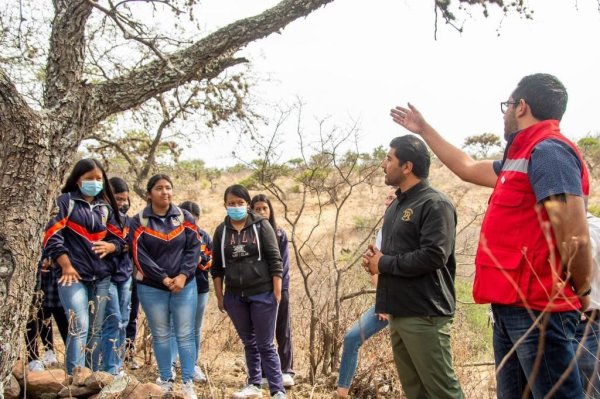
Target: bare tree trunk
(30,172)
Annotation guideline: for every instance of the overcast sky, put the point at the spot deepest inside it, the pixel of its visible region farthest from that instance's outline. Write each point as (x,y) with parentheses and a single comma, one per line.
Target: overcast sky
(354,59)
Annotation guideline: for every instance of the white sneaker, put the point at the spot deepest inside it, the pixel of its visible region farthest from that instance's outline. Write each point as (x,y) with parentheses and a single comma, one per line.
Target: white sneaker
(199,376)
(288,380)
(248,392)
(280,395)
(49,358)
(165,386)
(36,365)
(188,390)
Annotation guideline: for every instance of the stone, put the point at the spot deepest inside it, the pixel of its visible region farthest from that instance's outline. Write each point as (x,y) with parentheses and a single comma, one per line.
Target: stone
(47,381)
(121,387)
(99,380)
(76,391)
(80,374)
(144,391)
(19,371)
(12,390)
(175,395)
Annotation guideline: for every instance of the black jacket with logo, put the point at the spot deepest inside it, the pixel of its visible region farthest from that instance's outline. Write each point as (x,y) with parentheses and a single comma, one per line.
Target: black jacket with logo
(249,259)
(418,266)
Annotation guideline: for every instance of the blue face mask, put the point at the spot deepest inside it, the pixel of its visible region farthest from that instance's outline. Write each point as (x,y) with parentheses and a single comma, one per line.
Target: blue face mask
(237,212)
(91,188)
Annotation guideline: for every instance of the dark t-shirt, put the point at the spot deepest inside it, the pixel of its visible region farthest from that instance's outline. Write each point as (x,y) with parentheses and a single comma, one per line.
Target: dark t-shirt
(554,169)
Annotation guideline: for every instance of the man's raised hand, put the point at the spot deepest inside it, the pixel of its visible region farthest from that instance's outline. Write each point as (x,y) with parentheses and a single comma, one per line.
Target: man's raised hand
(409,118)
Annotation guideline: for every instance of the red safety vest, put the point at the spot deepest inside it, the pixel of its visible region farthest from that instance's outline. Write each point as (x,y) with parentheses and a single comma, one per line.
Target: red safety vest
(517,260)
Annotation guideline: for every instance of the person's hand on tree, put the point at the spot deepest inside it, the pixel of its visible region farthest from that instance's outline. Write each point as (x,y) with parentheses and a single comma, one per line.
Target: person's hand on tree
(46,264)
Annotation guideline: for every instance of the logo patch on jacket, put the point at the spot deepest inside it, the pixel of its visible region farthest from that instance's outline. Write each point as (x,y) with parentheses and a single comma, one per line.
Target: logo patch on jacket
(239,251)
(407,214)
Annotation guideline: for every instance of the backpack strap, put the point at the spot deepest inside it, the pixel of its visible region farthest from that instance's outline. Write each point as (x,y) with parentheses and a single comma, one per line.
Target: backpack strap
(71,206)
(143,220)
(105,211)
(181,216)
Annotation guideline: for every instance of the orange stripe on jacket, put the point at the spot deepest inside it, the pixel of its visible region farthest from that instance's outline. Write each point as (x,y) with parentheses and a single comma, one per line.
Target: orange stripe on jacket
(56,227)
(122,234)
(204,249)
(162,236)
(82,231)
(136,236)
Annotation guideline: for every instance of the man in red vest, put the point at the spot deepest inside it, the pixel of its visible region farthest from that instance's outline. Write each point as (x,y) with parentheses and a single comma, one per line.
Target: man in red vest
(533,262)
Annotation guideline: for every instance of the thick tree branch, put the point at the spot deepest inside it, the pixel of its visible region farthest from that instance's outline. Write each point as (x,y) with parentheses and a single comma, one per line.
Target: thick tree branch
(204,59)
(66,56)
(13,107)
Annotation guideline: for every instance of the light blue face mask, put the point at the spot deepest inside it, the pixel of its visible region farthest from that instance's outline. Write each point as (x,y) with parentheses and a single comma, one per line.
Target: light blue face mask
(91,188)
(237,212)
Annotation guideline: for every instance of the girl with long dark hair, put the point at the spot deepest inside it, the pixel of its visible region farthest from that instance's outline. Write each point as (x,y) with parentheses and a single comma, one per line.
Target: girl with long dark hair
(77,239)
(261,205)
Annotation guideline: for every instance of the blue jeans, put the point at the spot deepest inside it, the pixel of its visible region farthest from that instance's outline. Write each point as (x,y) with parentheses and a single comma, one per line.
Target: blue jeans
(115,322)
(161,307)
(364,328)
(202,301)
(85,321)
(520,371)
(586,337)
(254,320)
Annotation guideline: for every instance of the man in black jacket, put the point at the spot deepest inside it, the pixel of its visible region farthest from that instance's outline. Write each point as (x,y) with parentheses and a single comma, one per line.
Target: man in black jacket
(417,265)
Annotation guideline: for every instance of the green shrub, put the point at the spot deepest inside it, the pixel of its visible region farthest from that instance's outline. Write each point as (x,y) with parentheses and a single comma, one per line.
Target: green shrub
(594,209)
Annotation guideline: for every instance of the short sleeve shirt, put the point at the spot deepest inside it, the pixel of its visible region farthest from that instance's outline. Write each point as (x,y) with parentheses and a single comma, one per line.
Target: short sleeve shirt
(554,169)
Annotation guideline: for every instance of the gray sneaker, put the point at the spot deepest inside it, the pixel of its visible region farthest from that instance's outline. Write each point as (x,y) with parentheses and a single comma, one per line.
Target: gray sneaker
(36,365)
(49,358)
(248,392)
(165,386)
(288,380)
(280,395)
(199,376)
(188,390)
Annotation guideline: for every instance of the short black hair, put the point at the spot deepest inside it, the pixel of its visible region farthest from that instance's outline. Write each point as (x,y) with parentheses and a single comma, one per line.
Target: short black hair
(411,148)
(192,207)
(546,96)
(118,185)
(239,191)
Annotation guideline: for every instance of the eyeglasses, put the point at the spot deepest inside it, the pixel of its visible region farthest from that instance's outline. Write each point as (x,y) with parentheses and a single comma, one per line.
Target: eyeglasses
(504,105)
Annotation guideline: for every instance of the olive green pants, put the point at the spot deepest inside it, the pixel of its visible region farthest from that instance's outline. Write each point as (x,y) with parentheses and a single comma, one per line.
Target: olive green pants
(423,357)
